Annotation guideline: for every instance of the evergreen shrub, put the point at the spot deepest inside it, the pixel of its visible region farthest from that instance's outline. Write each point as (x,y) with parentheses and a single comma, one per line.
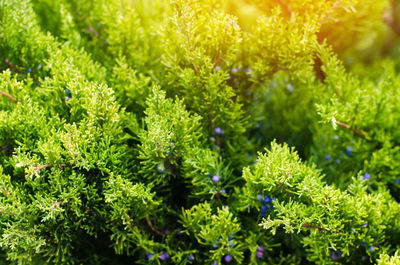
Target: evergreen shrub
(199,132)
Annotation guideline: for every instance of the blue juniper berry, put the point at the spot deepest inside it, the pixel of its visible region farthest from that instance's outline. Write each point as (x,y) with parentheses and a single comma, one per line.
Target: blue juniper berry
(164,255)
(264,208)
(231,242)
(218,131)
(217,68)
(290,88)
(259,252)
(366,176)
(267,199)
(228,258)
(349,149)
(149,255)
(328,157)
(336,255)
(68,93)
(223,191)
(216,178)
(191,258)
(371,248)
(259,197)
(29,70)
(397,181)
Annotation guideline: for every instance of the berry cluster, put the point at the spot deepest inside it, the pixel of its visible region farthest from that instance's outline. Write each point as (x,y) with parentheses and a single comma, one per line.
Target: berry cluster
(369,248)
(336,254)
(260,252)
(216,179)
(349,149)
(267,204)
(68,93)
(348,152)
(227,258)
(163,256)
(366,176)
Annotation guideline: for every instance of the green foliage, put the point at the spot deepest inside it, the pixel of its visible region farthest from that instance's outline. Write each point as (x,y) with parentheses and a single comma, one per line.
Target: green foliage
(164,132)
(385,259)
(337,220)
(215,229)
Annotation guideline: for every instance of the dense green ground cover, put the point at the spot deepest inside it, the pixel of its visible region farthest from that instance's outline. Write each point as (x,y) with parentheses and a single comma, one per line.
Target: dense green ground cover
(199,132)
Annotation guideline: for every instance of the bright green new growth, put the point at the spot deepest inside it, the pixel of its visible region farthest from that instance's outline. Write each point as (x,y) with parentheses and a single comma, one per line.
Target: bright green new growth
(385,259)
(164,132)
(339,220)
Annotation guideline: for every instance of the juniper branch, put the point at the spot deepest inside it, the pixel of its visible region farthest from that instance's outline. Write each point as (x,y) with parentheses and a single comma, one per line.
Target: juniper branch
(12,67)
(351,128)
(9,96)
(40,167)
(152,227)
(390,18)
(285,7)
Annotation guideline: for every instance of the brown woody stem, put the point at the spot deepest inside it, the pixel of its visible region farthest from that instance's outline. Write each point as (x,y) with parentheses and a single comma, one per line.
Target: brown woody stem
(12,67)
(38,168)
(390,18)
(351,128)
(313,227)
(9,96)
(218,60)
(285,6)
(152,227)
